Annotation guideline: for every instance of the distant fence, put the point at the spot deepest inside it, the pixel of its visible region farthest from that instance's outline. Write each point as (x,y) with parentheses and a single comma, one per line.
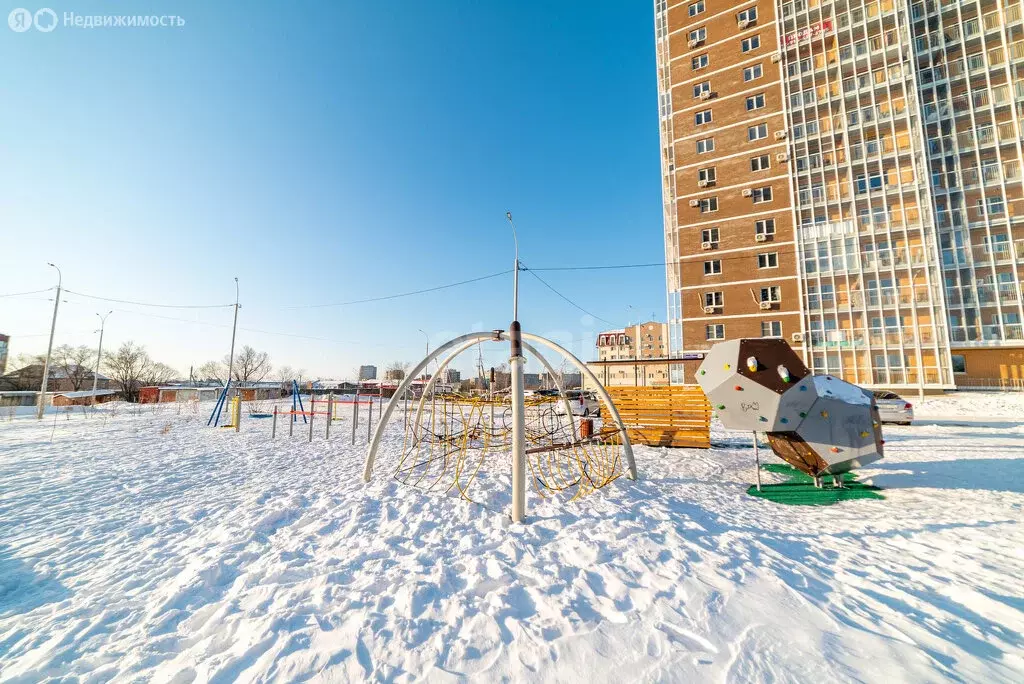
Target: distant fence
(664,415)
(991,385)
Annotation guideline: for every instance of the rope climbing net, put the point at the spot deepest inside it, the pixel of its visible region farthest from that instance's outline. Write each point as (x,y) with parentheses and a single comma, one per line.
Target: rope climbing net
(450,439)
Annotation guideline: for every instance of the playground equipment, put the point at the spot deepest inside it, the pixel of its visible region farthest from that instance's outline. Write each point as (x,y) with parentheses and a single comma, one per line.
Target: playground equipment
(448,439)
(332,409)
(820,425)
(234,414)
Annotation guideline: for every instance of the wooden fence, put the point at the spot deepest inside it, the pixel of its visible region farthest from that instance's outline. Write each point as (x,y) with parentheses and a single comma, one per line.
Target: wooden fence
(669,415)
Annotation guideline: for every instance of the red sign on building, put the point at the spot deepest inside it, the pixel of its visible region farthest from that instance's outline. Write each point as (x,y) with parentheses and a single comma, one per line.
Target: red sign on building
(808,33)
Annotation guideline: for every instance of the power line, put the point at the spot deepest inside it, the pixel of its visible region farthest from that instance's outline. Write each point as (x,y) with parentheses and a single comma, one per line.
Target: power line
(22,294)
(599,268)
(225,325)
(545,283)
(162,306)
(402,294)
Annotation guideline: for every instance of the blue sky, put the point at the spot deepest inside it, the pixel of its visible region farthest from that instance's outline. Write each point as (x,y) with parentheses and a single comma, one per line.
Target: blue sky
(326,152)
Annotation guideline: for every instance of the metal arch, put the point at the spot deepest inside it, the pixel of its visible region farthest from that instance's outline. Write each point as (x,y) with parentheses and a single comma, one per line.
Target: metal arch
(627,447)
(471,338)
(503,336)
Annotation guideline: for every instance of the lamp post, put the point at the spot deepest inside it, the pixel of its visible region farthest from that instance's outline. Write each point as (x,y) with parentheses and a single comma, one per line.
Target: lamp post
(427,338)
(41,403)
(234,329)
(99,354)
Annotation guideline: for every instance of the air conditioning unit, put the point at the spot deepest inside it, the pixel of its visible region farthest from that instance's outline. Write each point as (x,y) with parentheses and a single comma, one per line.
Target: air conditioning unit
(797,337)
(760,237)
(705,95)
(765,306)
(743,23)
(709,309)
(780,135)
(707,245)
(702,184)
(747,192)
(776,58)
(693,43)
(694,203)
(781,157)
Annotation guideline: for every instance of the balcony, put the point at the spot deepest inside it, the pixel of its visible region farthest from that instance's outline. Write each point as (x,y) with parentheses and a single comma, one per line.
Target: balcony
(999,252)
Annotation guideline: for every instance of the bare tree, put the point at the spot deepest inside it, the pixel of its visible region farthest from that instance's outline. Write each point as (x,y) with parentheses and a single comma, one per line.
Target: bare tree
(396,370)
(159,374)
(25,374)
(128,366)
(212,371)
(73,361)
(250,365)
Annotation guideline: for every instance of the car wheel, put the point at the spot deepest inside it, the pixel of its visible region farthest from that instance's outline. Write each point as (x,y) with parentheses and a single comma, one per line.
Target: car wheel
(904,423)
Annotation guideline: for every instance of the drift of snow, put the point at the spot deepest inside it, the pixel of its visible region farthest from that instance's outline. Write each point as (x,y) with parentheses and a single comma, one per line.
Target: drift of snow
(147,546)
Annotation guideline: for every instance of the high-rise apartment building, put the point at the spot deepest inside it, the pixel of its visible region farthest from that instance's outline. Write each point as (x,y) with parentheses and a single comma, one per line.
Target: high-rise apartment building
(846,175)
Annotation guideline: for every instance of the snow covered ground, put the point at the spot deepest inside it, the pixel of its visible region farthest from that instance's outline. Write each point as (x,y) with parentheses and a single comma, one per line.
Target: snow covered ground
(148,547)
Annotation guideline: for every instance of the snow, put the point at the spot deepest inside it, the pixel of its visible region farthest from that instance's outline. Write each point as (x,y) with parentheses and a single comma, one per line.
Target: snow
(141,545)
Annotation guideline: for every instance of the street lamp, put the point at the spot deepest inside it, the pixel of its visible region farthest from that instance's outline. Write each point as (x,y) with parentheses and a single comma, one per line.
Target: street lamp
(99,354)
(41,403)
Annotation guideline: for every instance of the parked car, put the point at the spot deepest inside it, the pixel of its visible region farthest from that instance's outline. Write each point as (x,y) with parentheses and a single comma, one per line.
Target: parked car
(582,403)
(892,408)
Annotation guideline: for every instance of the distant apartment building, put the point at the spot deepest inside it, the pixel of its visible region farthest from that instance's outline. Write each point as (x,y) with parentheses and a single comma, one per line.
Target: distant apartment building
(846,175)
(452,376)
(367,372)
(635,355)
(5,343)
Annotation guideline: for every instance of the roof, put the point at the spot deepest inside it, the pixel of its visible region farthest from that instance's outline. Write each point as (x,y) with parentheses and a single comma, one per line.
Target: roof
(84,393)
(56,372)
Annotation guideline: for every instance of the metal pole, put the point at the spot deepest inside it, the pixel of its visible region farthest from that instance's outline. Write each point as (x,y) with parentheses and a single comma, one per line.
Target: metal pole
(312,412)
(234,329)
(516,362)
(757,460)
(515,273)
(355,416)
(41,403)
(369,422)
(99,356)
(330,415)
(291,423)
(238,413)
(273,426)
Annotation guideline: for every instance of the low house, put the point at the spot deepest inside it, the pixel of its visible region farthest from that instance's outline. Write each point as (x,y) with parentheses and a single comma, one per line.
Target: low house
(30,378)
(83,398)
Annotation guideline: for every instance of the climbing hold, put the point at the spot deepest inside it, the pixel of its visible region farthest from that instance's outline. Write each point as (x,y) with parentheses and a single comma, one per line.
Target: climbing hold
(702,371)
(727,366)
(803,388)
(824,414)
(835,450)
(864,433)
(738,387)
(803,414)
(751,364)
(783,373)
(783,420)
(763,419)
(720,407)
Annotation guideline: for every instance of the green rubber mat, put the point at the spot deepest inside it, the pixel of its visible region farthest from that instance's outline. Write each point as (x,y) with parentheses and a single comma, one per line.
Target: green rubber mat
(799,490)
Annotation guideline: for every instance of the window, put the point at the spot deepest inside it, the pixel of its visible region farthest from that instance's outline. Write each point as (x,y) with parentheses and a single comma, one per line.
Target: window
(715,299)
(772,294)
(751,43)
(752,72)
(959,363)
(874,181)
(755,102)
(760,195)
(749,14)
(708,205)
(760,163)
(696,8)
(764,227)
(712,267)
(699,62)
(757,132)
(701,118)
(709,174)
(768,260)
(995,204)
(709,235)
(715,331)
(705,145)
(701,88)
(699,35)
(771,328)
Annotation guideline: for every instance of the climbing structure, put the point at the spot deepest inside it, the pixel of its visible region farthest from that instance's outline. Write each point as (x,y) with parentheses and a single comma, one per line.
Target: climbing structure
(450,440)
(819,424)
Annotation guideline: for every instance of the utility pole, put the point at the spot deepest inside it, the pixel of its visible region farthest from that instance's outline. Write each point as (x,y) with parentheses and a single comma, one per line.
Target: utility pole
(99,355)
(41,403)
(516,362)
(234,329)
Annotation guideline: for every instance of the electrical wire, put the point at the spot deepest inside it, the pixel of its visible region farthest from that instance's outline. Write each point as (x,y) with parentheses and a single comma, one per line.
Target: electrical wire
(545,283)
(162,306)
(22,294)
(401,294)
(599,268)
